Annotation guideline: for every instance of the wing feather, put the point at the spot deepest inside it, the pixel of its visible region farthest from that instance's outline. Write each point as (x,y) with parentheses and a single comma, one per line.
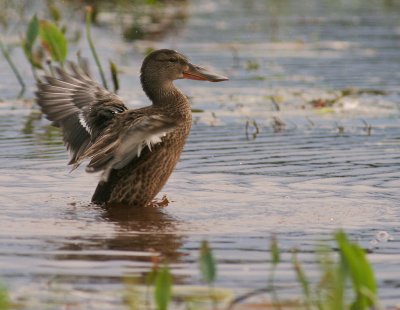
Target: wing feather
(116,148)
(96,125)
(72,100)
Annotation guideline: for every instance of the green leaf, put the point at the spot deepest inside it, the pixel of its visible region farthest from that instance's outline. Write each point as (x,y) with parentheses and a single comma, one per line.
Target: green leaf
(53,40)
(32,33)
(163,289)
(354,261)
(207,263)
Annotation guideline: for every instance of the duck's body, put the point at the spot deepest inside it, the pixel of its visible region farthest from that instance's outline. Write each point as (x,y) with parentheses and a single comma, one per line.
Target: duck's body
(137,150)
(140,181)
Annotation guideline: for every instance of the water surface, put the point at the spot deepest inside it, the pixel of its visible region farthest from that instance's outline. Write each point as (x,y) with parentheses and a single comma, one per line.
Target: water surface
(319,172)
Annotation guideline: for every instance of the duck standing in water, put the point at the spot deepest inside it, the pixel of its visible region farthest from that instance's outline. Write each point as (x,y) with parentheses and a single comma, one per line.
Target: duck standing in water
(136,150)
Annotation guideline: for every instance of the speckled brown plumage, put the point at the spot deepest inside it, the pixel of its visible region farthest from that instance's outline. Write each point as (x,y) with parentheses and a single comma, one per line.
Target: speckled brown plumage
(136,150)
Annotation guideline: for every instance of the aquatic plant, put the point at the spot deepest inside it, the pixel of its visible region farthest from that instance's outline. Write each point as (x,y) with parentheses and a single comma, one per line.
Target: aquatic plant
(350,271)
(275,260)
(163,288)
(251,129)
(89,11)
(7,56)
(207,263)
(252,65)
(331,291)
(47,37)
(32,32)
(53,41)
(5,303)
(346,282)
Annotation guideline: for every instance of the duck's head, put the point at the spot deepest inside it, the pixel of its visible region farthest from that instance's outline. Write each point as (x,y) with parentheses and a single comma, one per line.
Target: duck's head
(168,65)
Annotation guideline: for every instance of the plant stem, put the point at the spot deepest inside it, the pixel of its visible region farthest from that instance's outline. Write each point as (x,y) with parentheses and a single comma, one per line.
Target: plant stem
(13,67)
(241,298)
(91,45)
(271,286)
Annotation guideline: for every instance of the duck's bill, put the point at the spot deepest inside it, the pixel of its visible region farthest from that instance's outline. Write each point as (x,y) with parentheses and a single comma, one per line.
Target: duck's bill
(198,73)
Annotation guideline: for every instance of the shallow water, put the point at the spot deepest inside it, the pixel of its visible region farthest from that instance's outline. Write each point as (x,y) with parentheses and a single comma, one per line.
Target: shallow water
(301,181)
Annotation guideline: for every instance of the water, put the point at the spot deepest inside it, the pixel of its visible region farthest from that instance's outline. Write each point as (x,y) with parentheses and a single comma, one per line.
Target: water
(319,172)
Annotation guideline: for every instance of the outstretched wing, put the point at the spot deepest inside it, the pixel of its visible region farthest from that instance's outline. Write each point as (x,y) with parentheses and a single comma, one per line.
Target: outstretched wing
(80,106)
(124,140)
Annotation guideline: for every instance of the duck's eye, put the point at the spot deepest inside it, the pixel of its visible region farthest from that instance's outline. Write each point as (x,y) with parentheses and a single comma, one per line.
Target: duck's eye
(172,60)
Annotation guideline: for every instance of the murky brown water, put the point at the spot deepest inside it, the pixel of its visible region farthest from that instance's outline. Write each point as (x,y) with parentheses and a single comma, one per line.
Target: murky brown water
(300,182)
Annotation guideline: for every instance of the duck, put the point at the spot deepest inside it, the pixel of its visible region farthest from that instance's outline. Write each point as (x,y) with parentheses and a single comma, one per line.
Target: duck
(135,150)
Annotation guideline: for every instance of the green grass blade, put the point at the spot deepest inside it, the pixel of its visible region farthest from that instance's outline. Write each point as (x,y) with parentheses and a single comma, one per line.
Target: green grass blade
(163,288)
(275,253)
(275,259)
(302,279)
(207,263)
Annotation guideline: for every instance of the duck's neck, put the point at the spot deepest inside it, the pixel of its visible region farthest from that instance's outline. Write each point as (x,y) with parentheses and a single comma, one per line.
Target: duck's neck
(165,94)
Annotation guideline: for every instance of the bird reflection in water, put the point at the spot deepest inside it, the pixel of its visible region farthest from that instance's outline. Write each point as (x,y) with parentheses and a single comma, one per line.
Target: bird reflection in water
(145,229)
(149,231)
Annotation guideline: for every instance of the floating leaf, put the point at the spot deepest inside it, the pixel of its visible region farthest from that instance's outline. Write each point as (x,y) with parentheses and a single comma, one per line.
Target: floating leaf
(53,40)
(207,263)
(355,263)
(163,288)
